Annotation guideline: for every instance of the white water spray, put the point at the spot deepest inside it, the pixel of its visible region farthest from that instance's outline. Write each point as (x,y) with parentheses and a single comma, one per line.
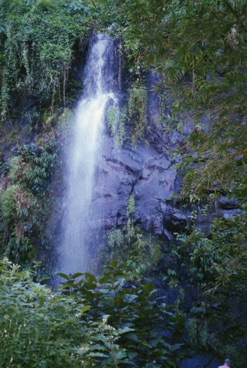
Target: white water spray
(83,156)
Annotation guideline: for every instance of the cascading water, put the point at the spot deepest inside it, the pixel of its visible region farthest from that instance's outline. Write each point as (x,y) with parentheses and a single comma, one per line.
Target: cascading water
(99,83)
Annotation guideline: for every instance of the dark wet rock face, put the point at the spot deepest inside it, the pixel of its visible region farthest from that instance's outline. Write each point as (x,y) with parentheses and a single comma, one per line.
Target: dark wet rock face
(147,171)
(141,171)
(144,170)
(200,360)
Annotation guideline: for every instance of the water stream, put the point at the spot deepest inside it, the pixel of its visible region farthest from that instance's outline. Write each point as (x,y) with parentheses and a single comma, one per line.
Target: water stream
(83,155)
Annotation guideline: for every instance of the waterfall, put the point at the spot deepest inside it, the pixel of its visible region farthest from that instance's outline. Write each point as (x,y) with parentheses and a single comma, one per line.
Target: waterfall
(84,152)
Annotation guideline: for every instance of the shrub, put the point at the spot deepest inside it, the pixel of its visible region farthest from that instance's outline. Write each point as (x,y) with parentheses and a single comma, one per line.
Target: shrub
(41,328)
(151,329)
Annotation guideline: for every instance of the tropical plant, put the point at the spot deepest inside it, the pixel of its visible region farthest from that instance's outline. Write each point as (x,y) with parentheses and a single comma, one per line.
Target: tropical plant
(25,205)
(37,40)
(130,243)
(134,309)
(39,327)
(198,49)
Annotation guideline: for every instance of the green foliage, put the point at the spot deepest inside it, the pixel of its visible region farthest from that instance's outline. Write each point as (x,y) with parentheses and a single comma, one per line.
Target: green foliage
(141,252)
(133,113)
(199,50)
(37,165)
(217,330)
(105,321)
(112,119)
(219,260)
(115,238)
(39,327)
(215,265)
(133,309)
(137,111)
(92,322)
(9,202)
(121,134)
(25,203)
(203,256)
(75,5)
(17,207)
(229,237)
(131,205)
(128,243)
(214,88)
(116,123)
(37,46)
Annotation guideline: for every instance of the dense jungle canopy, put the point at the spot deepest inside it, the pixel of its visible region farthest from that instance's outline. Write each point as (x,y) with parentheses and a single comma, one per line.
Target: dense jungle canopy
(198,47)
(199,50)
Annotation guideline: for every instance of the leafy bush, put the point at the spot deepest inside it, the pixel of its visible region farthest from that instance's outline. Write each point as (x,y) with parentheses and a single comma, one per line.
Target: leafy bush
(115,121)
(215,265)
(25,202)
(131,245)
(133,113)
(92,322)
(17,207)
(137,110)
(41,328)
(37,46)
(112,119)
(218,260)
(151,330)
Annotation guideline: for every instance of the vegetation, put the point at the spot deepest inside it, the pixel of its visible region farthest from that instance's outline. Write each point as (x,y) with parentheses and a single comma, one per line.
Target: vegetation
(205,69)
(140,252)
(91,322)
(26,186)
(134,114)
(198,48)
(137,111)
(37,41)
